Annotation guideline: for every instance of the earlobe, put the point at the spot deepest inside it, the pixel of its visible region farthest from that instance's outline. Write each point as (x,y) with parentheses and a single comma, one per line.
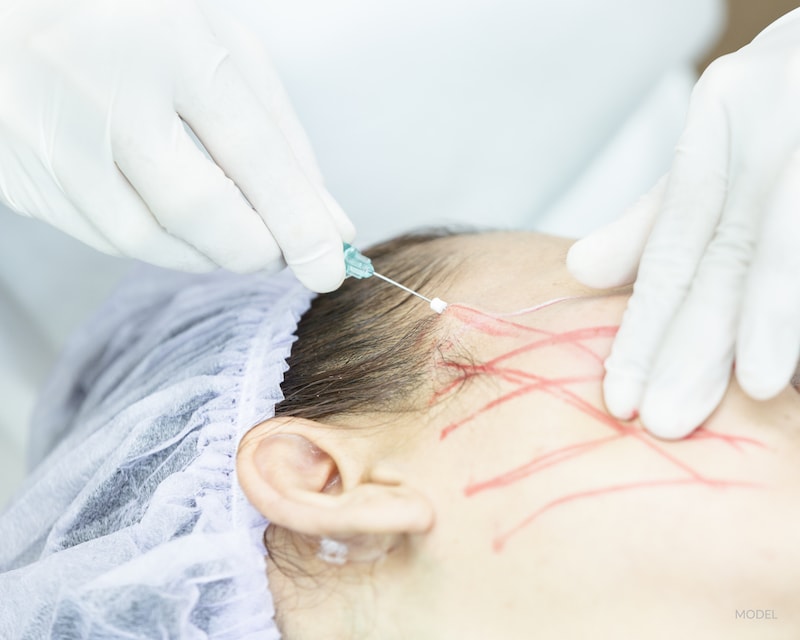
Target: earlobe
(302,477)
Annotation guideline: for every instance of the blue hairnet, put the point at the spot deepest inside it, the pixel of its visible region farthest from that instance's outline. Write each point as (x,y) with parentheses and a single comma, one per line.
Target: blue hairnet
(132,523)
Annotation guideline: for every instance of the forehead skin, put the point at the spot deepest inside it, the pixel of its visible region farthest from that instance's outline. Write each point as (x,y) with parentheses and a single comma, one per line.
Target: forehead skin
(511,267)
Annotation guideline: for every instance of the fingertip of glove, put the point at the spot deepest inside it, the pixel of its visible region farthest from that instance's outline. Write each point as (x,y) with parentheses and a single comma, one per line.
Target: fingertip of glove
(592,263)
(580,259)
(660,420)
(760,385)
(574,263)
(673,411)
(621,397)
(766,356)
(323,273)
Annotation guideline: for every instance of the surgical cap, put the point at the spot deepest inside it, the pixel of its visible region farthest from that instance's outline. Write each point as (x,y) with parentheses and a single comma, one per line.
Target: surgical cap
(131,523)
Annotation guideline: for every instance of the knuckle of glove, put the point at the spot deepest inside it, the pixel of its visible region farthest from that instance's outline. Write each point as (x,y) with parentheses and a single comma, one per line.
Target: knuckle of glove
(720,78)
(732,248)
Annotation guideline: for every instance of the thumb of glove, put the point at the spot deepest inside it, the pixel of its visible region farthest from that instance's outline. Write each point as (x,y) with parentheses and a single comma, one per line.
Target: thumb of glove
(609,257)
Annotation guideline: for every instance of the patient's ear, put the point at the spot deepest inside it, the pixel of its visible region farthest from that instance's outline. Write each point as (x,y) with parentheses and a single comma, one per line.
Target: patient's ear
(318,480)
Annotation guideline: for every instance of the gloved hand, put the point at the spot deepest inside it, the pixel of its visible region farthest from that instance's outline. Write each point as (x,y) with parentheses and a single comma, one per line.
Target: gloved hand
(719,244)
(95,95)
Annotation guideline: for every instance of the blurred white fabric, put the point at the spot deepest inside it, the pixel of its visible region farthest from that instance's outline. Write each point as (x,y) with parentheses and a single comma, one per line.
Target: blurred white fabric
(501,113)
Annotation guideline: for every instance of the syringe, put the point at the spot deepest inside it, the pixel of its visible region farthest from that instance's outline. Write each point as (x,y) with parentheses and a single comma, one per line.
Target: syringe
(357,265)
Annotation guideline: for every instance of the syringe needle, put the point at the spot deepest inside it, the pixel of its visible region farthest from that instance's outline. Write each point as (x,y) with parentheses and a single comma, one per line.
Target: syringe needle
(397,284)
(437,304)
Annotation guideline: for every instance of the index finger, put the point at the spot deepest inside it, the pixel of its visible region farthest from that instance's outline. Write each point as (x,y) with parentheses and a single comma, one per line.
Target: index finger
(246,142)
(691,210)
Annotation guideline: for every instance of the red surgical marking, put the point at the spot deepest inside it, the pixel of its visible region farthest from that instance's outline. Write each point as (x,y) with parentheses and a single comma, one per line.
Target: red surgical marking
(536,464)
(526,382)
(734,441)
(497,326)
(519,391)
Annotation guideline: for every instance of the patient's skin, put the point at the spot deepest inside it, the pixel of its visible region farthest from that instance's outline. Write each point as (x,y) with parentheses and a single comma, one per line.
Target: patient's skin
(554,520)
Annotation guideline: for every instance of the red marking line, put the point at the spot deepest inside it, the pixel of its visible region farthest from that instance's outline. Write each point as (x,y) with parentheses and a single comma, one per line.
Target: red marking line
(527,382)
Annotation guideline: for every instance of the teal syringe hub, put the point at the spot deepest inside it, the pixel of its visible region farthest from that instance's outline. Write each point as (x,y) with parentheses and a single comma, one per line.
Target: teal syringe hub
(356,264)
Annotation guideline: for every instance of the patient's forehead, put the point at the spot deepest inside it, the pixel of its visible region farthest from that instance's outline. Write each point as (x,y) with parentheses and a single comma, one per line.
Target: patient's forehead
(502,271)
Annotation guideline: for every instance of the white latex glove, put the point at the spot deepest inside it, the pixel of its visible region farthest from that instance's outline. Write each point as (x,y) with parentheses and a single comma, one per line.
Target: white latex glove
(94,95)
(719,243)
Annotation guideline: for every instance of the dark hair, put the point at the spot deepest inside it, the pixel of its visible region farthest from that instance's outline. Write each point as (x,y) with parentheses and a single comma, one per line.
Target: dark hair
(365,347)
